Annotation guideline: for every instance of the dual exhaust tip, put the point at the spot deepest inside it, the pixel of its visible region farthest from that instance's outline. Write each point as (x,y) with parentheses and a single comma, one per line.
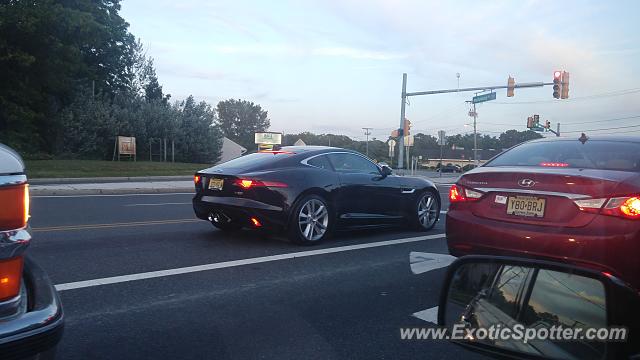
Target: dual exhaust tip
(218,218)
(222,218)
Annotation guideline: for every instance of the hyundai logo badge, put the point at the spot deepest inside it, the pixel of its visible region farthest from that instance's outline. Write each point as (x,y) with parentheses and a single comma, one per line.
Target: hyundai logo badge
(526,182)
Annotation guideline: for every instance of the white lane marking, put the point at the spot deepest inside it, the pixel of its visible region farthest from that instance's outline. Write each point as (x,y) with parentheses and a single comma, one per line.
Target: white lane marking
(234,263)
(421,262)
(429,315)
(443,211)
(109,195)
(160,204)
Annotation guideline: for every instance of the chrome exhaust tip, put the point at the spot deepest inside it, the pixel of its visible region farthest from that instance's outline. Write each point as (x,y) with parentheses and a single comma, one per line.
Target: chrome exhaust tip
(218,217)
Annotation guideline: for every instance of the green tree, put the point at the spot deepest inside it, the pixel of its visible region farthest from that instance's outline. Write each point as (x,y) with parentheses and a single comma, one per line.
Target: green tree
(50,50)
(510,138)
(199,138)
(240,119)
(88,124)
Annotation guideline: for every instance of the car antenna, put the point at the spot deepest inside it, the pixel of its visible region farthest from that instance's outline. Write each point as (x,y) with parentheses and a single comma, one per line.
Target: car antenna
(583,138)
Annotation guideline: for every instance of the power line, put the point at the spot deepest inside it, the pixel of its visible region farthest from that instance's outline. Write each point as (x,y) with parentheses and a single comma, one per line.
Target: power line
(595,121)
(620,132)
(431,117)
(587,97)
(613,128)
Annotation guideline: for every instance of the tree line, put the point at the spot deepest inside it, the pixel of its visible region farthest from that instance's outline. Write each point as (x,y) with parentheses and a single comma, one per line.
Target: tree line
(424,144)
(74,77)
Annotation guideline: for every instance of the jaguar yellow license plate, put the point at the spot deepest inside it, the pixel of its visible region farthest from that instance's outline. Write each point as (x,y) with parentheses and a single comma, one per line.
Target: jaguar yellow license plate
(525,206)
(216,184)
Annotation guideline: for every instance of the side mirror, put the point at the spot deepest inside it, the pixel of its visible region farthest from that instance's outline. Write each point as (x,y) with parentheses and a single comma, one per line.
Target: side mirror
(534,309)
(385,170)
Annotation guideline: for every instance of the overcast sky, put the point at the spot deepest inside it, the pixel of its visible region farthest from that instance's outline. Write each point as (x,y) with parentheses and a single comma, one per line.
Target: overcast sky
(336,66)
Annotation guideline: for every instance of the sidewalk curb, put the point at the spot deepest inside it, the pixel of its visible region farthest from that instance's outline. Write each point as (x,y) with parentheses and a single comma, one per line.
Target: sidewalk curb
(99,180)
(63,192)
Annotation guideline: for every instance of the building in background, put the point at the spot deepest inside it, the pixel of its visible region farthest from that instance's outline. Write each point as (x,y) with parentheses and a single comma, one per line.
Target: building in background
(230,150)
(299,142)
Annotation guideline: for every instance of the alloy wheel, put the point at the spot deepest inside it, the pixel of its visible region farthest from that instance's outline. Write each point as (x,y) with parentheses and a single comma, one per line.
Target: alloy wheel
(427,211)
(313,219)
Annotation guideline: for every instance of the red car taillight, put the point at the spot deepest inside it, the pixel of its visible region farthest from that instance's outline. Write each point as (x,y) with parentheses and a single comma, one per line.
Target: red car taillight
(14,207)
(10,276)
(459,193)
(248,183)
(625,206)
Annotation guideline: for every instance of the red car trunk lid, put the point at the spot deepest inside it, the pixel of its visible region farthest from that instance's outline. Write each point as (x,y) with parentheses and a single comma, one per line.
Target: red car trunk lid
(552,189)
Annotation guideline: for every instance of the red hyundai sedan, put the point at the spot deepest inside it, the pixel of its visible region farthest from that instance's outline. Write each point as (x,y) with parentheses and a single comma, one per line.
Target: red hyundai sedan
(572,200)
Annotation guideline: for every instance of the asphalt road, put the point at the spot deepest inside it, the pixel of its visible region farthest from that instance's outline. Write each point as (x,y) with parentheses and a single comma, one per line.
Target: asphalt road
(141,278)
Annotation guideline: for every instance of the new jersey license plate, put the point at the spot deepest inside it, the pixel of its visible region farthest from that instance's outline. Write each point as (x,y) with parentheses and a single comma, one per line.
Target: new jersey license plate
(525,206)
(216,184)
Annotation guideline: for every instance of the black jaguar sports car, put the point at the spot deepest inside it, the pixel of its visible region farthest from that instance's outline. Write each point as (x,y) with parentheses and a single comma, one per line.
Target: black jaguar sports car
(309,191)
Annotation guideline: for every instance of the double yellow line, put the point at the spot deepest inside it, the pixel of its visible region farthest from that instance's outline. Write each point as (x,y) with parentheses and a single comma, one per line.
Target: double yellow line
(112,225)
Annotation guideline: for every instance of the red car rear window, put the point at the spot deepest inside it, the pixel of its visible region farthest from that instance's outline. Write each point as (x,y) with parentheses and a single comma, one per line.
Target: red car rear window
(593,154)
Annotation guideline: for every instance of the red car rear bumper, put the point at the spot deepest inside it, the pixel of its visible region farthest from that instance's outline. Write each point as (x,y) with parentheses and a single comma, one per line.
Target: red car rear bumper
(607,243)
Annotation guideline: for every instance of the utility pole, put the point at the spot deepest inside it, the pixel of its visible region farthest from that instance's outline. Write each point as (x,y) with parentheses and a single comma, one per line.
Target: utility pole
(367,132)
(402,110)
(474,114)
(491,88)
(475,135)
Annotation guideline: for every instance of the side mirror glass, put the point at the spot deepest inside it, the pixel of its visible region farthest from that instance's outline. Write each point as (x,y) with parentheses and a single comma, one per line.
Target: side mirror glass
(386,170)
(528,308)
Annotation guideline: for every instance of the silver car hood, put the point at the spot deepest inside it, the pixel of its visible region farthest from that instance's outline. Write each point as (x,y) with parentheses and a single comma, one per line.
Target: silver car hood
(10,161)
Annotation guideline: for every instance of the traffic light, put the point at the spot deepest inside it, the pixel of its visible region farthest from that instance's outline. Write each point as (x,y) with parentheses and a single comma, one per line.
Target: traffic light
(564,94)
(530,122)
(511,83)
(547,124)
(557,83)
(407,127)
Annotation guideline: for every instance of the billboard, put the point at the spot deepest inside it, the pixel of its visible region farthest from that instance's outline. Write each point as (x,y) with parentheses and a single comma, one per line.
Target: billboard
(126,145)
(271,138)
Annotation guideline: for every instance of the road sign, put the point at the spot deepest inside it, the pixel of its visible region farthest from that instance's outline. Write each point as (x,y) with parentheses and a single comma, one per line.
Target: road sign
(442,140)
(484,97)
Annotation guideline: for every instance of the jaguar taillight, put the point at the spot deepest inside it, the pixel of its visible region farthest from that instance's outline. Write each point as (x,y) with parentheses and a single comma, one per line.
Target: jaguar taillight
(250,183)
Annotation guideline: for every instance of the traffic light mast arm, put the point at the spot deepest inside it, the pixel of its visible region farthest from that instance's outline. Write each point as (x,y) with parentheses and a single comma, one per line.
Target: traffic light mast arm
(516,86)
